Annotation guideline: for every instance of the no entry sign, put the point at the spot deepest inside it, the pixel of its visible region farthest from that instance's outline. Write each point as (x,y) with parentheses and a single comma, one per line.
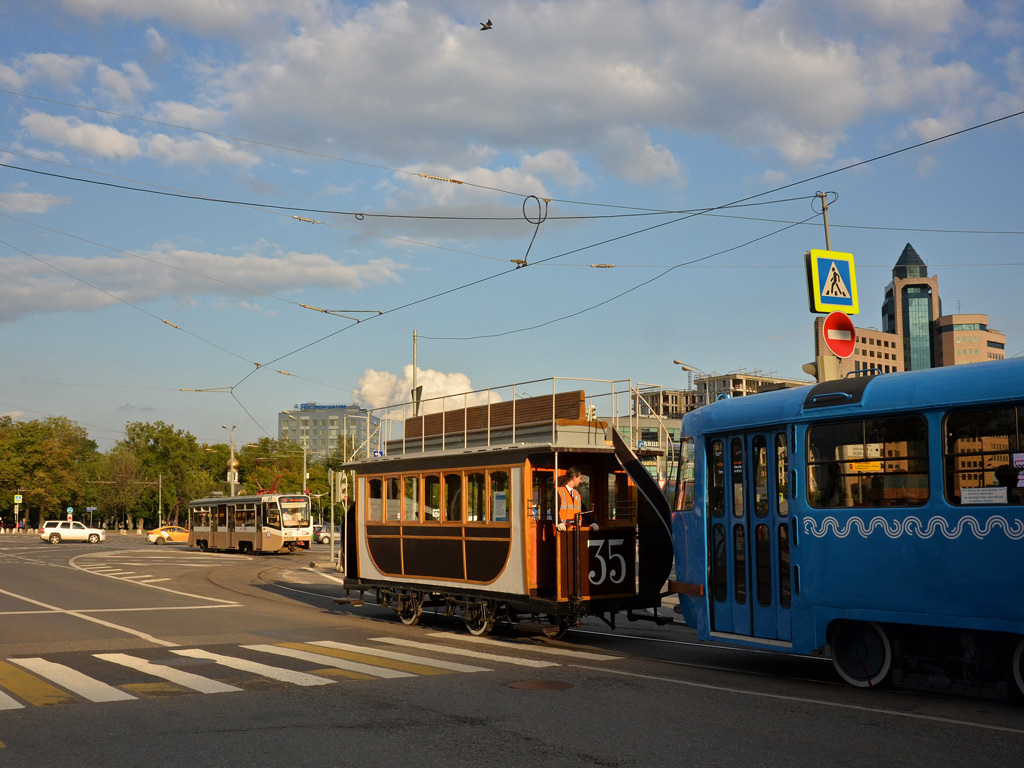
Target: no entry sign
(839,334)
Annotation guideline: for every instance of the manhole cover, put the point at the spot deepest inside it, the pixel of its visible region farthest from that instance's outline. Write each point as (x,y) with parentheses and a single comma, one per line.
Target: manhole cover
(540,685)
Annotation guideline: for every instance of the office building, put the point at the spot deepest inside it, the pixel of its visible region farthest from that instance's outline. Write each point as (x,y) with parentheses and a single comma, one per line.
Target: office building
(911,308)
(326,429)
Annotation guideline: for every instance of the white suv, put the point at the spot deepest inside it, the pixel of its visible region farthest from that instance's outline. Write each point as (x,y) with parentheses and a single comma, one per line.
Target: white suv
(56,531)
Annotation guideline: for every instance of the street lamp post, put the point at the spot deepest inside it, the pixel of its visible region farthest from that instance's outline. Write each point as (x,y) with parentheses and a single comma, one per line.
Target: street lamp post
(232,462)
(304,441)
(691,369)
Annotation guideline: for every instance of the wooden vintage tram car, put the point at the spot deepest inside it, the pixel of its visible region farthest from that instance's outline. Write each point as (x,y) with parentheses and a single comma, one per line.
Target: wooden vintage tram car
(458,517)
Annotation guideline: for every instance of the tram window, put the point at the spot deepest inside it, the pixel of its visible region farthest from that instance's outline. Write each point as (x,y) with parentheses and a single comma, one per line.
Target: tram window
(763,563)
(453,497)
(245,516)
(720,577)
(412,498)
(874,463)
(543,494)
(739,563)
(583,489)
(782,474)
(716,478)
(201,517)
(620,506)
(393,499)
(984,449)
(736,450)
(375,502)
(476,498)
(222,517)
(499,496)
(759,462)
(684,476)
(785,590)
(432,499)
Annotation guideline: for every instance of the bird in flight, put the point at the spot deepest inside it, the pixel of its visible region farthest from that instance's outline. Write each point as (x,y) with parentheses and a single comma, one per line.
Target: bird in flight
(485,25)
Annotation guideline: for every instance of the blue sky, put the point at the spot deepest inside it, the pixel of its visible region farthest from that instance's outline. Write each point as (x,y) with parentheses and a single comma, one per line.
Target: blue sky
(622,113)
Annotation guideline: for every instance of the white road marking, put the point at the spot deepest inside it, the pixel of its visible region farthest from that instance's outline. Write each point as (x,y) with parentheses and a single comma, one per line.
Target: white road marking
(330,661)
(6,702)
(397,656)
(437,648)
(504,645)
(807,700)
(73,680)
(77,614)
(177,676)
(255,667)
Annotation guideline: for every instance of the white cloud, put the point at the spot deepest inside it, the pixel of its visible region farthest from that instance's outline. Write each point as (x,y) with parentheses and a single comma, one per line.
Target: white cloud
(381,388)
(204,16)
(123,85)
(188,274)
(188,115)
(56,69)
(101,140)
(200,151)
(630,154)
(556,163)
(155,42)
(30,202)
(110,143)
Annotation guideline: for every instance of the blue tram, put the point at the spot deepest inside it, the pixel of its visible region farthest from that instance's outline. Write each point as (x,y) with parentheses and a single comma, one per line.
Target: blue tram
(879,519)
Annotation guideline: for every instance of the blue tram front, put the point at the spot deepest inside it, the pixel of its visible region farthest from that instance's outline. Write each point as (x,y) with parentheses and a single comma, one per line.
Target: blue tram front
(459,517)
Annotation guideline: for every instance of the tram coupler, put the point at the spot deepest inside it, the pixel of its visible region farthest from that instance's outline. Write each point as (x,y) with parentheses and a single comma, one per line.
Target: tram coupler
(355,602)
(652,616)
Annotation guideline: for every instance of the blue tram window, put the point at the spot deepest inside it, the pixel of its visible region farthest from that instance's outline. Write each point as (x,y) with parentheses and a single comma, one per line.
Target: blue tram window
(759,462)
(739,562)
(737,477)
(785,591)
(719,572)
(763,563)
(716,478)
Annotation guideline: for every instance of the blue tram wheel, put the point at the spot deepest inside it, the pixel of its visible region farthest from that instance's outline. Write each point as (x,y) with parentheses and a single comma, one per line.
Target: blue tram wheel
(861,653)
(1018,666)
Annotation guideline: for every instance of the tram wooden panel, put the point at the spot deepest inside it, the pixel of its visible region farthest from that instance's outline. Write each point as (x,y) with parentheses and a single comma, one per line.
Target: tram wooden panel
(535,410)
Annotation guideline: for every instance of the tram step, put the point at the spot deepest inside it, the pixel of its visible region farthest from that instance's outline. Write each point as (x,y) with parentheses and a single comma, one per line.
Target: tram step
(537,628)
(355,602)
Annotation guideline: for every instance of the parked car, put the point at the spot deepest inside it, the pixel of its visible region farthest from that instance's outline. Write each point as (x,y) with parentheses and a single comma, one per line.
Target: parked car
(322,534)
(56,531)
(166,534)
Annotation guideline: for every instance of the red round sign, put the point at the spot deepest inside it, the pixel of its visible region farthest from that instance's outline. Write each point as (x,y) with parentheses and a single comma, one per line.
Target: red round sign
(839,334)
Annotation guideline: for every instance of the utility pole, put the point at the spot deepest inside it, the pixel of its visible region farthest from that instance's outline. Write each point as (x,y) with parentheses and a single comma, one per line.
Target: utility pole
(824,215)
(415,390)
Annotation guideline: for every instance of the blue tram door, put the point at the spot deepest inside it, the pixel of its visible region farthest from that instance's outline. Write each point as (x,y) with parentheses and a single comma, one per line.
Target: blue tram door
(749,535)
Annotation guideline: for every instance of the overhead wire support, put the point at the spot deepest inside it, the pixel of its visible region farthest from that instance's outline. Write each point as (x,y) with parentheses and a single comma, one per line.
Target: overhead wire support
(823,197)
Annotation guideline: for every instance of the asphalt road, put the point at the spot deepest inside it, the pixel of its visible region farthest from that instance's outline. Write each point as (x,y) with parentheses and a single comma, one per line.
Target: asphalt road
(128,654)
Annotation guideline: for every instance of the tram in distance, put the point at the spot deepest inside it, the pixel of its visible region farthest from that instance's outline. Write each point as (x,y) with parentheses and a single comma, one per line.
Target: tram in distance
(268,522)
(459,517)
(879,518)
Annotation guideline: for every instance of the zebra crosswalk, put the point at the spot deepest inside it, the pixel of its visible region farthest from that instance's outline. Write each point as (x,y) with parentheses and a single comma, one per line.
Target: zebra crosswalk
(111,677)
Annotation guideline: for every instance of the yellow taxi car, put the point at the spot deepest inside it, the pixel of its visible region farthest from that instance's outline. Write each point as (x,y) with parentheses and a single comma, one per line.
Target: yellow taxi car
(167,534)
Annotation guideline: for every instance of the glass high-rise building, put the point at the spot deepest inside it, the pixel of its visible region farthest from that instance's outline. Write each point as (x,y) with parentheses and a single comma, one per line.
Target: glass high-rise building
(911,308)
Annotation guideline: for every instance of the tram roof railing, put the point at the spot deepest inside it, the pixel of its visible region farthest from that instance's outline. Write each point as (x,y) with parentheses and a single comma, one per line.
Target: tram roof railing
(565,415)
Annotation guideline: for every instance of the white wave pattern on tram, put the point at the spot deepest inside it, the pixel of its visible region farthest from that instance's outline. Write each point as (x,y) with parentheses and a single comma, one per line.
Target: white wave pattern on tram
(913,526)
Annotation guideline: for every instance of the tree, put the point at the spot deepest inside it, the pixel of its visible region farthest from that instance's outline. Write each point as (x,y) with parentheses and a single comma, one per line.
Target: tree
(47,461)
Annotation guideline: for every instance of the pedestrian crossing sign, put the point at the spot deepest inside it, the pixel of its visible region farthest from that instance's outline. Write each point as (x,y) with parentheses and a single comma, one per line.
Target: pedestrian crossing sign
(831,282)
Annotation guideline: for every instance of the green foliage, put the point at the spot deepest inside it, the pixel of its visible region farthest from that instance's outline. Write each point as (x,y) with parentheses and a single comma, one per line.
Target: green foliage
(54,465)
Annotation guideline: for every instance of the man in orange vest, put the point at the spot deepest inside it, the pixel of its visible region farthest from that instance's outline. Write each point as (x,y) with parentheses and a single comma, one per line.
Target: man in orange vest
(570,504)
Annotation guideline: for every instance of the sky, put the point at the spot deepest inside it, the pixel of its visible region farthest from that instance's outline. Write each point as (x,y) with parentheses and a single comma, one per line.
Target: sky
(588,189)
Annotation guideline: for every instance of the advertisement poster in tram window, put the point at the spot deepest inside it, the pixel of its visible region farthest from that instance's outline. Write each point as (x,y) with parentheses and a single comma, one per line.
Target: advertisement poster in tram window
(500,513)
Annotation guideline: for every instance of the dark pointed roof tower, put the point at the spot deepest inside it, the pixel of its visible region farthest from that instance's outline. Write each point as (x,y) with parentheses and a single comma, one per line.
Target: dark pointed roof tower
(909,264)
